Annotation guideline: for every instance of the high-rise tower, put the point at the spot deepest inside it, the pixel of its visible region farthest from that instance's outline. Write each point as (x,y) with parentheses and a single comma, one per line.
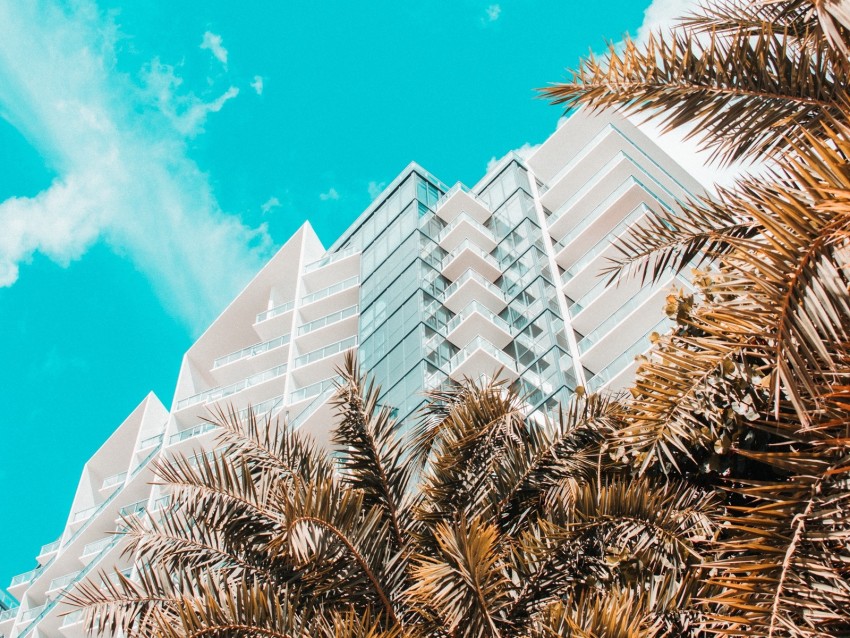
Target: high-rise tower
(429,283)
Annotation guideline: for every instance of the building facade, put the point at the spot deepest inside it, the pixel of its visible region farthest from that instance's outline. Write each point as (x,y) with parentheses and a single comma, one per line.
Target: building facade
(430,283)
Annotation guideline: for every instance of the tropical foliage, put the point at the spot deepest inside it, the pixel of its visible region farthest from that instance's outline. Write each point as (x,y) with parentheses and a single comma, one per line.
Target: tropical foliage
(714,501)
(751,392)
(486,526)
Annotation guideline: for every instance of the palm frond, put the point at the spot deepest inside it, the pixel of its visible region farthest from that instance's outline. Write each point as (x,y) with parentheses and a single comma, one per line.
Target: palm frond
(370,447)
(744,94)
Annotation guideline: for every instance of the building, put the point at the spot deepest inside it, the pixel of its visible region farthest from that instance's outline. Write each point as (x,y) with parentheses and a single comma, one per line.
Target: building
(429,283)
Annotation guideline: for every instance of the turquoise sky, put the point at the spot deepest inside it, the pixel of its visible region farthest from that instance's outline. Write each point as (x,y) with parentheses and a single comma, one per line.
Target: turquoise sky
(154,154)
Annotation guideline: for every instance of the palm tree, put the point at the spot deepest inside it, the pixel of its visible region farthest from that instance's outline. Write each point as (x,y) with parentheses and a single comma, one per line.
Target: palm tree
(485,526)
(751,391)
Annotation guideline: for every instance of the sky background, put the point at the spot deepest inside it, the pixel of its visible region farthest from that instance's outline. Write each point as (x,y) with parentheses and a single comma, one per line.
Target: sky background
(153,155)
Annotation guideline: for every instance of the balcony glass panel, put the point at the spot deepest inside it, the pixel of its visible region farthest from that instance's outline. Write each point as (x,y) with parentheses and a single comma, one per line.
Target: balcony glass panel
(615,319)
(50,547)
(471,275)
(274,312)
(327,320)
(97,546)
(331,258)
(32,612)
(151,441)
(134,509)
(311,390)
(216,394)
(6,614)
(73,618)
(251,351)
(331,290)
(62,581)
(192,432)
(620,363)
(327,351)
(466,244)
(464,217)
(482,343)
(112,481)
(473,307)
(25,577)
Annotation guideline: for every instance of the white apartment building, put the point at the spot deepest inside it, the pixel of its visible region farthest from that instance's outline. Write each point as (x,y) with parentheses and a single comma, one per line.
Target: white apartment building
(430,283)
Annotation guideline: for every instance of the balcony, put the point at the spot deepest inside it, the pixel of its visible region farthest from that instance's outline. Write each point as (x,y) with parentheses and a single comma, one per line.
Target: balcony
(251,351)
(190,433)
(63,581)
(275,312)
(313,335)
(614,374)
(216,394)
(50,548)
(327,351)
(24,578)
(133,509)
(32,612)
(330,290)
(150,442)
(8,614)
(465,227)
(480,357)
(96,547)
(331,258)
(74,618)
(473,286)
(459,199)
(474,320)
(468,255)
(617,332)
(83,515)
(309,391)
(110,482)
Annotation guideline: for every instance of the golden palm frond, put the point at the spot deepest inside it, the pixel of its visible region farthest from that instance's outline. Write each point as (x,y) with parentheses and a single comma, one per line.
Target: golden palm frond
(743,94)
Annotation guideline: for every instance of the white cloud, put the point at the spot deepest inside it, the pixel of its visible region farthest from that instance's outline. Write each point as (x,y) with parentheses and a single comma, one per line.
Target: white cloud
(270,203)
(492,13)
(525,151)
(375,189)
(120,152)
(329,195)
(212,42)
(257,84)
(661,15)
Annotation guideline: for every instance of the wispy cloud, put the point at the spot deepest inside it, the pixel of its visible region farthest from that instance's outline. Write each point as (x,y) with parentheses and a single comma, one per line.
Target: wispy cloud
(212,42)
(119,148)
(491,14)
(524,151)
(331,194)
(375,189)
(270,204)
(661,14)
(257,84)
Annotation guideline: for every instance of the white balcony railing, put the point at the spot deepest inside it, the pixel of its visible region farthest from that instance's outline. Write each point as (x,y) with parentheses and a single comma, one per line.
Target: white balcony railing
(62,581)
(327,351)
(465,217)
(619,364)
(466,244)
(112,481)
(327,320)
(331,258)
(481,343)
(471,308)
(274,312)
(251,351)
(50,547)
(190,433)
(151,441)
(471,275)
(26,577)
(311,390)
(85,514)
(32,612)
(331,290)
(216,394)
(6,614)
(97,546)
